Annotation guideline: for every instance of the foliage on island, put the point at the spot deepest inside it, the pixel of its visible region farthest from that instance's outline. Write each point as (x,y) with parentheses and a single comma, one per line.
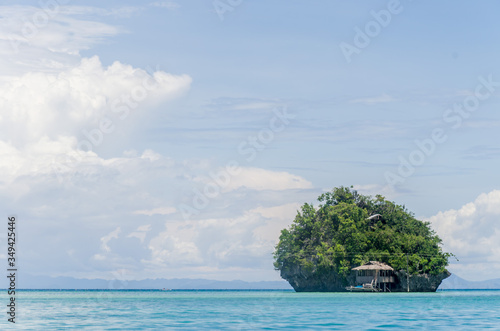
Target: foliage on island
(338,235)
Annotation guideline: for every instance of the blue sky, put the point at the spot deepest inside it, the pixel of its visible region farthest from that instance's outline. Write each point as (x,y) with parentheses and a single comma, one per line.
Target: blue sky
(264,86)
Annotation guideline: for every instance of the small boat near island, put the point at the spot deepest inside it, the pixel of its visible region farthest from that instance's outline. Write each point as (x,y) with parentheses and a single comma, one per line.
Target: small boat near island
(368,287)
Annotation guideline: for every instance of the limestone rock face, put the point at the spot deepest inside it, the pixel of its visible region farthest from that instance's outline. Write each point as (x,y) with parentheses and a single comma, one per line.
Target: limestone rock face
(304,281)
(419,283)
(308,281)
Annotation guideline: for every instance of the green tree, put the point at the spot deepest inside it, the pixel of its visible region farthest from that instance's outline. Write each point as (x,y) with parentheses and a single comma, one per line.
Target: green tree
(337,236)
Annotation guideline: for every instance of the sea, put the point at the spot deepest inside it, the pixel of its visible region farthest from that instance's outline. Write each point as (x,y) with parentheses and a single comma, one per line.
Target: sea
(250,310)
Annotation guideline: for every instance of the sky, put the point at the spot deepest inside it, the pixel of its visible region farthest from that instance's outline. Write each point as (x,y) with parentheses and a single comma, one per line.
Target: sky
(175,139)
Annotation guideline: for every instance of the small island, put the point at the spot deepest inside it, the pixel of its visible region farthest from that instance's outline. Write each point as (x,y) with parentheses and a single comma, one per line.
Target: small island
(353,242)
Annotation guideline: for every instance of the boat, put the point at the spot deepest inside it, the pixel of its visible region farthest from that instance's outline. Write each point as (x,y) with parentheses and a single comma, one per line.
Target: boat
(367,287)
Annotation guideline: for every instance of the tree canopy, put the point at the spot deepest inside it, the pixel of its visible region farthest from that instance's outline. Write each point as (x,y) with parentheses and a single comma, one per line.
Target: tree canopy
(338,235)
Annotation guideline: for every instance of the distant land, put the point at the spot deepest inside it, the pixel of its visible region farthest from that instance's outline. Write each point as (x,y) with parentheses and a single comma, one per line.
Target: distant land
(44,282)
(453,282)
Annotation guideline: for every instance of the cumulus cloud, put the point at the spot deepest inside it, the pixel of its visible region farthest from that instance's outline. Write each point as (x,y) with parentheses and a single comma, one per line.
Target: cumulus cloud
(51,101)
(114,213)
(51,123)
(38,104)
(473,234)
(278,218)
(216,245)
(141,232)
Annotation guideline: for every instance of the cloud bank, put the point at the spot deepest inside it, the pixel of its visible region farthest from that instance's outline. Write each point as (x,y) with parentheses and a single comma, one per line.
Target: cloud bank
(86,214)
(472,233)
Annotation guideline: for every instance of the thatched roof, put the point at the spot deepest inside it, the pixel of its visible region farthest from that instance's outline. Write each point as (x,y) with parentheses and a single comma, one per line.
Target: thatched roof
(374,265)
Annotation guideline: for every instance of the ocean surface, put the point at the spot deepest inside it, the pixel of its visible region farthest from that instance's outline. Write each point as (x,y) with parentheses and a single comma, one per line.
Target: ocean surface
(252,310)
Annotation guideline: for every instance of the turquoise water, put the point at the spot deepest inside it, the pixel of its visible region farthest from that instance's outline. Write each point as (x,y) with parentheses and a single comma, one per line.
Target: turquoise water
(253,310)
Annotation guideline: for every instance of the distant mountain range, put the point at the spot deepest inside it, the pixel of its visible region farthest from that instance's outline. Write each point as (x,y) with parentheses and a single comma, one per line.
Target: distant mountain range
(456,283)
(43,282)
(453,282)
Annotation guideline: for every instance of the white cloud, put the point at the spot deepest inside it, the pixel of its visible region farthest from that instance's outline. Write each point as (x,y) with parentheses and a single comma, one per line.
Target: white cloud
(175,246)
(41,39)
(261,179)
(46,117)
(150,155)
(165,4)
(52,100)
(141,232)
(120,12)
(157,211)
(384,98)
(473,234)
(105,240)
(214,246)
(38,102)
(278,218)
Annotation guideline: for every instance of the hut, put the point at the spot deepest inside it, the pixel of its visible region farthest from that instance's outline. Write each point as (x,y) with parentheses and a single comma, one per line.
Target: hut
(375,275)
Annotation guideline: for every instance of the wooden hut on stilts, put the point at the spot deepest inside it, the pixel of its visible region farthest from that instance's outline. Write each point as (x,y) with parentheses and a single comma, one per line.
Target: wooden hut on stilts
(373,276)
